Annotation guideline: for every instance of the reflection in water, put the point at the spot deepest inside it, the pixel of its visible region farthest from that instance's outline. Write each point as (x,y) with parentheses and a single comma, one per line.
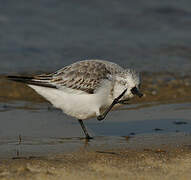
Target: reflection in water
(35,149)
(37,146)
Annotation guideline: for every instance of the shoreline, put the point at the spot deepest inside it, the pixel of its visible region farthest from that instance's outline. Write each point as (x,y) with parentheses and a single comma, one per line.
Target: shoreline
(165,161)
(156,87)
(151,156)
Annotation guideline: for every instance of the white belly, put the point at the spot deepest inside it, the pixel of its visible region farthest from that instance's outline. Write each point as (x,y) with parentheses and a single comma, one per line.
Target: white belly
(78,105)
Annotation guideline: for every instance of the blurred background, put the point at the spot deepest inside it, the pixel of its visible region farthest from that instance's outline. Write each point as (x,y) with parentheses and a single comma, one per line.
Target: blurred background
(44,35)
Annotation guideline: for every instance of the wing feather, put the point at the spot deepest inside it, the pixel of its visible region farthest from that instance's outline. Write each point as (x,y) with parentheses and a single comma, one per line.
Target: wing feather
(82,75)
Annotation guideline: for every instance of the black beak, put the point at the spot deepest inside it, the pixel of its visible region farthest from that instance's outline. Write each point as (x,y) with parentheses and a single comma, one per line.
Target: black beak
(135,91)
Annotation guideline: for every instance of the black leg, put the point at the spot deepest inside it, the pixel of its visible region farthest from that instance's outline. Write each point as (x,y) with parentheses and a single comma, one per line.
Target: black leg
(115,101)
(84,129)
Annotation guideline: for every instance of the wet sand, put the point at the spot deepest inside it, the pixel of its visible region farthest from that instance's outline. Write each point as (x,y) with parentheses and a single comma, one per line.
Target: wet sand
(158,155)
(150,161)
(157,87)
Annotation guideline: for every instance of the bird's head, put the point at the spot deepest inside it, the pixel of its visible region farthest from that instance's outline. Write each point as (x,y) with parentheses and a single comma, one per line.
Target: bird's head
(130,80)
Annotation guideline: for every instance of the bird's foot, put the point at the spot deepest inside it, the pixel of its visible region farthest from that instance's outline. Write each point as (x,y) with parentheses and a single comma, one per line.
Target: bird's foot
(88,137)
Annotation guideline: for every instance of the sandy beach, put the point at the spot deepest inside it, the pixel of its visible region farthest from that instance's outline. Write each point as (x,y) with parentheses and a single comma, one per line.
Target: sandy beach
(157,157)
(150,156)
(153,156)
(160,161)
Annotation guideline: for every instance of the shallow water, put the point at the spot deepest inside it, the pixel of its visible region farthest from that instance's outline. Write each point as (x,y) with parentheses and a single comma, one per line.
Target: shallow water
(28,129)
(44,35)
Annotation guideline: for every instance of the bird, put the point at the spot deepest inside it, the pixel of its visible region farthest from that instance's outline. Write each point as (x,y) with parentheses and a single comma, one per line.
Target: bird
(86,89)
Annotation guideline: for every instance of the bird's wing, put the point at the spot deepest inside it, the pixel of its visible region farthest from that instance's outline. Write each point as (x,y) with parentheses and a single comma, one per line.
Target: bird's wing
(82,75)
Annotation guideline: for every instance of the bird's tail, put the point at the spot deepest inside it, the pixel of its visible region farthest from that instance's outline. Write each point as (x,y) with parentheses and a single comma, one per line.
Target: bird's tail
(23,79)
(31,81)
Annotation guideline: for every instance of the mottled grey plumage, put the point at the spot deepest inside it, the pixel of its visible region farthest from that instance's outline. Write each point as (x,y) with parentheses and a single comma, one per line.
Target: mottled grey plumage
(83,75)
(86,89)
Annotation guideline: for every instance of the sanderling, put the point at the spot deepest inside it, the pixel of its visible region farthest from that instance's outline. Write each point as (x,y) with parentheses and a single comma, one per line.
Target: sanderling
(86,89)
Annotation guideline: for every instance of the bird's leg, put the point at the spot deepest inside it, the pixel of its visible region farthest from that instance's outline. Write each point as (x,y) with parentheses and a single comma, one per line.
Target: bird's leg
(84,129)
(115,101)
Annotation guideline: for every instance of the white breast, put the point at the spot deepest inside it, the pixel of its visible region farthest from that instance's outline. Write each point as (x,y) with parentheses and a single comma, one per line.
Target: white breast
(77,103)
